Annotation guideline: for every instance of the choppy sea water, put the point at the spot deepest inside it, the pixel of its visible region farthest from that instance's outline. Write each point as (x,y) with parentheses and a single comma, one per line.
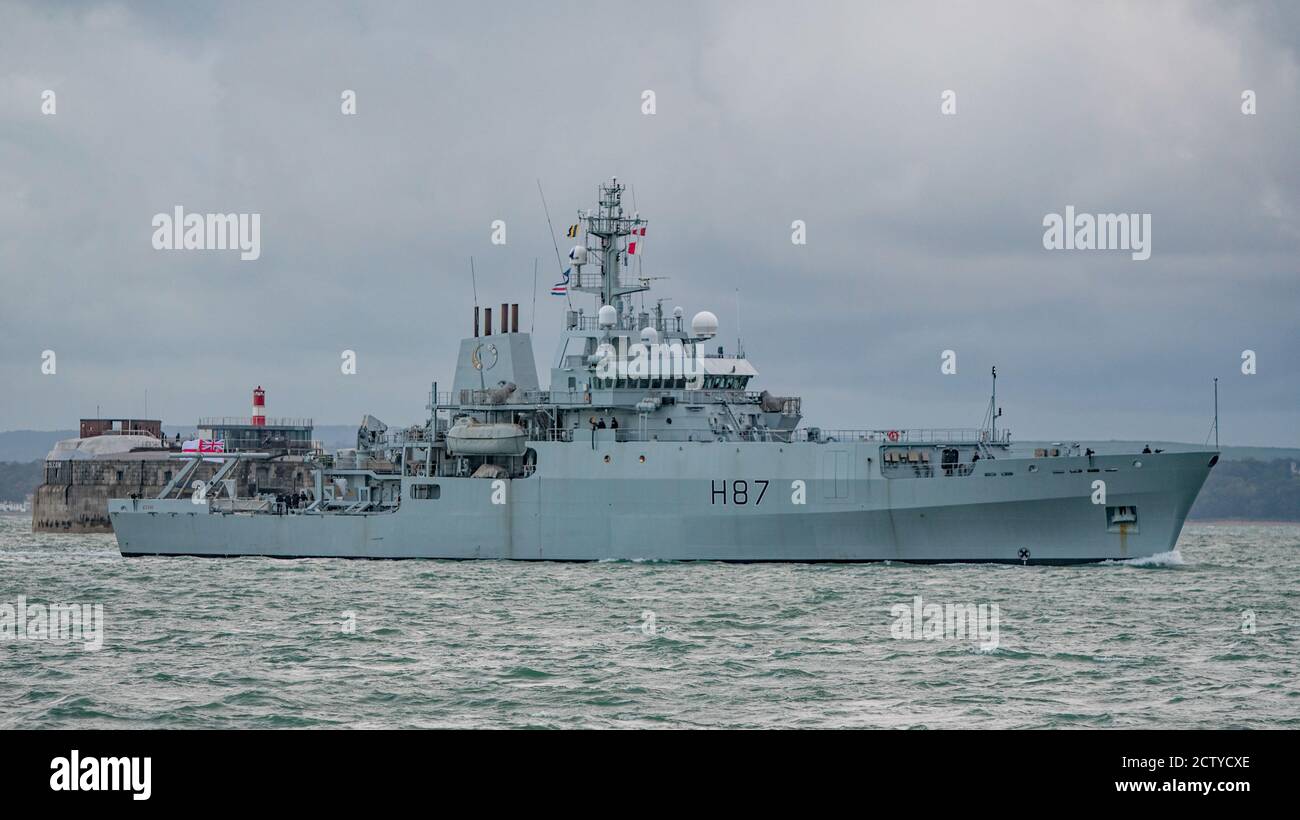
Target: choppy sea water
(232,643)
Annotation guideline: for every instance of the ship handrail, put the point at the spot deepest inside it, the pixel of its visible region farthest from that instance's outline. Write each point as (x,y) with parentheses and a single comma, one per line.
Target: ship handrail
(479,398)
(926,436)
(903,436)
(930,469)
(551,434)
(666,325)
(473,398)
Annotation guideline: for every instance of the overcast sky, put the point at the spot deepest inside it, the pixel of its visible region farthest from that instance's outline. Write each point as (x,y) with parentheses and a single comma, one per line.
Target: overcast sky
(924,231)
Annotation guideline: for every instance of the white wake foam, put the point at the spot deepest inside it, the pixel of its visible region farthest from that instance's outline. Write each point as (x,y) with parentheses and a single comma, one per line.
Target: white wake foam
(1173,558)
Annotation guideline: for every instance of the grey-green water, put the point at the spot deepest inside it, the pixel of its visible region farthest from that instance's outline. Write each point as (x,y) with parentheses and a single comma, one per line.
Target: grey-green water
(260,643)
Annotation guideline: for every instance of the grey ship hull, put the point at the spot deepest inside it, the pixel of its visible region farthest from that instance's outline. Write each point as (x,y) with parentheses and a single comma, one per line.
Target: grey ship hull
(683,503)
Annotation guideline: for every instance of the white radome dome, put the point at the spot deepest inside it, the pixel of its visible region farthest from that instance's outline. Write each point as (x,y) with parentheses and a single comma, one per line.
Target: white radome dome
(578,253)
(704,325)
(608,316)
(678,312)
(649,336)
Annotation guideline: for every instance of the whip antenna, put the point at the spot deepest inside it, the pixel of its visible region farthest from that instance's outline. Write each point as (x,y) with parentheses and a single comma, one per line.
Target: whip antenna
(547,211)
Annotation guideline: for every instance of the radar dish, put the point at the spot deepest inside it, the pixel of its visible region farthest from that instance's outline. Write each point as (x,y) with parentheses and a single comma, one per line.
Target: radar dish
(704,325)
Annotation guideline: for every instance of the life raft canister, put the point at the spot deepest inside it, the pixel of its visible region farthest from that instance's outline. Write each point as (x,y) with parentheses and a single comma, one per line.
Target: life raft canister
(893,435)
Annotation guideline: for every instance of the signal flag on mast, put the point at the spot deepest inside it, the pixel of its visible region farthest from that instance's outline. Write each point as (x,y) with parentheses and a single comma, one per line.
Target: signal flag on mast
(562,288)
(632,243)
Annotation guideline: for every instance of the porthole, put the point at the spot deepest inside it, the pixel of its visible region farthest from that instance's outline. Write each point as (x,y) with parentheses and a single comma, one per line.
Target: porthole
(643,459)
(1137,463)
(606,459)
(1033,468)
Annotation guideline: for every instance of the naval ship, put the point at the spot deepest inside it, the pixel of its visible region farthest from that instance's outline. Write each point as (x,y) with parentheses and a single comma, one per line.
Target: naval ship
(652,442)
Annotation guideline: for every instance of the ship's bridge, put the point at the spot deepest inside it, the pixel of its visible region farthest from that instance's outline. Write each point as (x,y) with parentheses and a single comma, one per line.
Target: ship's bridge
(727,373)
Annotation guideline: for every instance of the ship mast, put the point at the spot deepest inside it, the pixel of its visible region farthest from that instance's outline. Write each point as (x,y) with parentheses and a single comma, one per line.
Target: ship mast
(610,227)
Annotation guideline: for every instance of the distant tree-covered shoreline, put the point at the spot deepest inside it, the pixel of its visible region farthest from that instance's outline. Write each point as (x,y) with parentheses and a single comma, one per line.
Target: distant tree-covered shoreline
(19,479)
(1251,490)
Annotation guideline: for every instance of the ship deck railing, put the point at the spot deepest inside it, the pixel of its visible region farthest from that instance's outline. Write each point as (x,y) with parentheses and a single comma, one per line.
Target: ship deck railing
(481,398)
(934,435)
(552,434)
(620,434)
(928,469)
(474,399)
(815,435)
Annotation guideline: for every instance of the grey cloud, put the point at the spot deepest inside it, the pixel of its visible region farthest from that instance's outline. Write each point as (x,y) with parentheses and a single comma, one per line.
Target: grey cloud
(924,231)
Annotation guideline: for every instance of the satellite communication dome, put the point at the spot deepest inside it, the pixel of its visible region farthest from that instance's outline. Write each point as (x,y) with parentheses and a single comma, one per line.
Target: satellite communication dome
(678,312)
(608,316)
(649,336)
(578,253)
(704,325)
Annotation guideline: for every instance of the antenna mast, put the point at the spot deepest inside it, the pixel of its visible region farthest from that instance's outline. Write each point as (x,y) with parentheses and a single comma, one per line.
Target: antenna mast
(558,261)
(994,412)
(740,345)
(533,327)
(609,225)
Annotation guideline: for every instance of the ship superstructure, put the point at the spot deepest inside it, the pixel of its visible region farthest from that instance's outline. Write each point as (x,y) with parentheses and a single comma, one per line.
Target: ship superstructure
(653,442)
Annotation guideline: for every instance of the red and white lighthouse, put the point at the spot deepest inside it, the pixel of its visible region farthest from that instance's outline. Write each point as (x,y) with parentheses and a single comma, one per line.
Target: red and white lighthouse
(259,407)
